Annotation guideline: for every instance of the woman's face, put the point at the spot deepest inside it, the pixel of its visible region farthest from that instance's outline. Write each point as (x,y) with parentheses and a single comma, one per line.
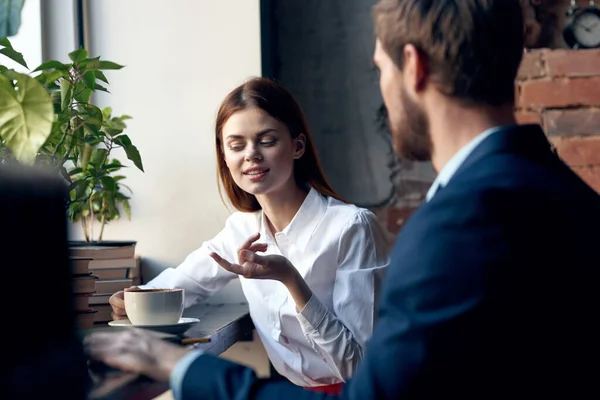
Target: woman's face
(260,152)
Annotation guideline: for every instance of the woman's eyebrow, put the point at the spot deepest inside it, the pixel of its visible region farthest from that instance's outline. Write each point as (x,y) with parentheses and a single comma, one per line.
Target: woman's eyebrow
(259,134)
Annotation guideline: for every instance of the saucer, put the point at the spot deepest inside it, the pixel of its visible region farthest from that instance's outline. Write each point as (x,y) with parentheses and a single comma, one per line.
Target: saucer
(180,327)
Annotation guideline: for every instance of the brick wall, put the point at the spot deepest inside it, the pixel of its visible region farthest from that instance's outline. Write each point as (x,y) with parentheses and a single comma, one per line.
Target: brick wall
(560,89)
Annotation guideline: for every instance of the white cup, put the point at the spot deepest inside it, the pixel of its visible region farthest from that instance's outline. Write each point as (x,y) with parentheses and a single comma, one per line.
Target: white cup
(154,306)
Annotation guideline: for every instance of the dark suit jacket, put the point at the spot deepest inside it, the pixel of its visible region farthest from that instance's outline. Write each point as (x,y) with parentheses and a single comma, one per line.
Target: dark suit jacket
(490,293)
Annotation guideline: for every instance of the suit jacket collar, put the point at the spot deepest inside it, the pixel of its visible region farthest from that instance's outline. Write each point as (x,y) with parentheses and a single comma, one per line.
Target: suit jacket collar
(525,140)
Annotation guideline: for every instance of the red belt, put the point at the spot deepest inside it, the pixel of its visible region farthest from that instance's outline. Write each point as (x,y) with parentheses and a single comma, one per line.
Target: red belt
(336,388)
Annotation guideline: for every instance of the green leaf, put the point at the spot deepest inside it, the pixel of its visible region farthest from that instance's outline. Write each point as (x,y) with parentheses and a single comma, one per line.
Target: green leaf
(98,157)
(101,88)
(5,42)
(92,117)
(109,184)
(53,64)
(66,94)
(10,17)
(130,150)
(74,210)
(78,55)
(113,167)
(85,155)
(109,65)
(90,63)
(89,79)
(6,84)
(84,96)
(48,77)
(126,208)
(106,112)
(110,203)
(75,171)
(26,116)
(100,75)
(93,139)
(14,55)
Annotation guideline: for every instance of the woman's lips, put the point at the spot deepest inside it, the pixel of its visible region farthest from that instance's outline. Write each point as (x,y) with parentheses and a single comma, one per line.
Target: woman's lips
(256,175)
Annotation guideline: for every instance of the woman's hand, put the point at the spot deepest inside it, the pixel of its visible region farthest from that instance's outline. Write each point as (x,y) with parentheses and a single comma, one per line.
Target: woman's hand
(135,350)
(253,266)
(117,303)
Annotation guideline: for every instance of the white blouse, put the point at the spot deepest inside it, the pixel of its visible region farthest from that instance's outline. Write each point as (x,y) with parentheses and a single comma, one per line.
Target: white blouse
(342,253)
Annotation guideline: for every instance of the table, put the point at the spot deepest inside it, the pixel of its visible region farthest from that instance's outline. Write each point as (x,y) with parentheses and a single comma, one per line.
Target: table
(225,324)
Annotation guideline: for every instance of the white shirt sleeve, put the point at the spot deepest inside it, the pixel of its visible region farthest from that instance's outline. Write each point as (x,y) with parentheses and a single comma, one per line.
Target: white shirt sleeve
(340,337)
(199,275)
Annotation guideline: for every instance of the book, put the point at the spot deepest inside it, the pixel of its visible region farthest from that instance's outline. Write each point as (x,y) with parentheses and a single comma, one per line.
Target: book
(104,313)
(112,263)
(80,265)
(84,283)
(119,273)
(112,285)
(81,301)
(85,319)
(101,252)
(99,298)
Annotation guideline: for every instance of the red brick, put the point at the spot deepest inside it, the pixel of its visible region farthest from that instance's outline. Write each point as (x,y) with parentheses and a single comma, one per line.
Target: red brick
(591,176)
(560,93)
(531,66)
(576,121)
(396,217)
(578,151)
(573,63)
(528,117)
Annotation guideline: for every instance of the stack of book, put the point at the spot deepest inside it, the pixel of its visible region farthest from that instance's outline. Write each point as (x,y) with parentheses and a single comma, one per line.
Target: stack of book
(84,287)
(116,268)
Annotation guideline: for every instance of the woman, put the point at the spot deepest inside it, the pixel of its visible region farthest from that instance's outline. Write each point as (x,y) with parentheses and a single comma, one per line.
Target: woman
(330,256)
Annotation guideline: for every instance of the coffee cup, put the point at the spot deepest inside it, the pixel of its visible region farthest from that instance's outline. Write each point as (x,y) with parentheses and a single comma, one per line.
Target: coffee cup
(154,306)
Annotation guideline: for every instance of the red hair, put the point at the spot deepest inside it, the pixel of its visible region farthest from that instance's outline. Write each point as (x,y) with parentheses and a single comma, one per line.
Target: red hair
(273,99)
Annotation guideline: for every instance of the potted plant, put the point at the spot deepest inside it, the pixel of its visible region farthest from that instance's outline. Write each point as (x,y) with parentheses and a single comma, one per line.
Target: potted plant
(47,118)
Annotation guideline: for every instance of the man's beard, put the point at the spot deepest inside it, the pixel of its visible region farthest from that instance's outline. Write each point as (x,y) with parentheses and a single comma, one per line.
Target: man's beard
(410,132)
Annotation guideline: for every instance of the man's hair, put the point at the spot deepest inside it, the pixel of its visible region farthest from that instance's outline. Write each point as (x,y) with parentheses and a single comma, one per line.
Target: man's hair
(473,47)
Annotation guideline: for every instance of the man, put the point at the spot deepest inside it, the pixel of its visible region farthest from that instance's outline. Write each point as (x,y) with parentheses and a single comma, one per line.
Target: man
(490,292)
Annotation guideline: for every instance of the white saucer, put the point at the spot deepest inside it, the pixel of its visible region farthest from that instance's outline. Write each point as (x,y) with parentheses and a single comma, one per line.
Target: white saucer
(180,327)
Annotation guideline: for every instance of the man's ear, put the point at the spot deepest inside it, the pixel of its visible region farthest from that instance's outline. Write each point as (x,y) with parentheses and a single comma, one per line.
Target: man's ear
(300,146)
(415,69)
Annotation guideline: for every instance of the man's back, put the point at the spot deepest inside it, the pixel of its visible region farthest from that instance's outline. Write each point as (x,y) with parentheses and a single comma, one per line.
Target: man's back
(492,292)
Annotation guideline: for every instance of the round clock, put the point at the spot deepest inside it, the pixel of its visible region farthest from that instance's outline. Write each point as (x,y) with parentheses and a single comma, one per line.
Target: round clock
(583,31)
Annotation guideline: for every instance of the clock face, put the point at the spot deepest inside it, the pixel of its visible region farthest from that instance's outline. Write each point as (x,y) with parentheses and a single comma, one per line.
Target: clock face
(587,29)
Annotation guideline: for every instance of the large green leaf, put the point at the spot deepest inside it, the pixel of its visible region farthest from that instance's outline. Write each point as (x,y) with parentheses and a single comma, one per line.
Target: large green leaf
(25,116)
(10,17)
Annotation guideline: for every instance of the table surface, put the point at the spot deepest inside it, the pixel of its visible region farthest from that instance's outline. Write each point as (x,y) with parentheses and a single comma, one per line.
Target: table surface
(225,324)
